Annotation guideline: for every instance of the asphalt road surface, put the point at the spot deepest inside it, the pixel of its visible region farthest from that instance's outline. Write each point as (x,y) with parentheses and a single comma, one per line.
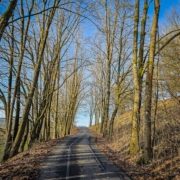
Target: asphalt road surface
(79,158)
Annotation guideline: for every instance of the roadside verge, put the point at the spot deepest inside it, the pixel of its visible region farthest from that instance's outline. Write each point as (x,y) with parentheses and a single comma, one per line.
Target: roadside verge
(26,165)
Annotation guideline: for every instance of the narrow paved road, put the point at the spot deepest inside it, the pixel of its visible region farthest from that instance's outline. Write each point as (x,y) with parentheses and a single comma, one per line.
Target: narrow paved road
(79,158)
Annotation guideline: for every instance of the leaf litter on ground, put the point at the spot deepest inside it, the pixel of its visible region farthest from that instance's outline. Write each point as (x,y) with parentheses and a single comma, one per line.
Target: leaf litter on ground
(25,165)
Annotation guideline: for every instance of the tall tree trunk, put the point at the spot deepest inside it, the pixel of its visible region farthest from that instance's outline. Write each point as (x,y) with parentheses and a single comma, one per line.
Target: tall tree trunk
(56,132)
(16,144)
(90,119)
(147,148)
(102,116)
(24,139)
(45,107)
(110,40)
(138,71)
(48,125)
(97,113)
(6,16)
(107,99)
(117,88)
(141,60)
(24,32)
(10,79)
(16,123)
(134,142)
(111,125)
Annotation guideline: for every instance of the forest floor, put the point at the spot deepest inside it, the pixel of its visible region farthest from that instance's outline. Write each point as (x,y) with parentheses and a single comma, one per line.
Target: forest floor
(25,165)
(129,165)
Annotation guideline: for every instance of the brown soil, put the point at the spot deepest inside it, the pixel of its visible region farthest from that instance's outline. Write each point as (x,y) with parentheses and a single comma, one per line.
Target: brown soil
(25,165)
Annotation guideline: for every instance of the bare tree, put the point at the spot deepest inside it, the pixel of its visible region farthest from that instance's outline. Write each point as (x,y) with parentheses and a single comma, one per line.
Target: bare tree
(138,71)
(147,148)
(10,108)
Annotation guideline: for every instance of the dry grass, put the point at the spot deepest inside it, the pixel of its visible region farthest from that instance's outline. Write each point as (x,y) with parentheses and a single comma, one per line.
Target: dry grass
(166,152)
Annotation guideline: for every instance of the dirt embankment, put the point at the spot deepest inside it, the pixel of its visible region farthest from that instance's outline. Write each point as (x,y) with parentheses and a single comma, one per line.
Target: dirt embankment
(130,166)
(165,164)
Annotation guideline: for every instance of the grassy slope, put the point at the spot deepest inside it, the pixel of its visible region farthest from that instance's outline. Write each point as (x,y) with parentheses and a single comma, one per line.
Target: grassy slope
(166,161)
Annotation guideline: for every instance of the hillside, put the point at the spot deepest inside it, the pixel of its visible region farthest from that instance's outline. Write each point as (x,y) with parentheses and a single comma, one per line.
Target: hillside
(166,152)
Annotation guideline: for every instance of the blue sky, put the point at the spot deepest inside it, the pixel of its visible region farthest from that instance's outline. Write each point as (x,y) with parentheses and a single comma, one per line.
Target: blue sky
(165,6)
(83,120)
